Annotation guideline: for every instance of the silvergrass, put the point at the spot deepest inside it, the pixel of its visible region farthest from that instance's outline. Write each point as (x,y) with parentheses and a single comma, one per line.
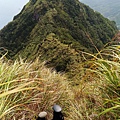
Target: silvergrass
(107,69)
(100,82)
(29,88)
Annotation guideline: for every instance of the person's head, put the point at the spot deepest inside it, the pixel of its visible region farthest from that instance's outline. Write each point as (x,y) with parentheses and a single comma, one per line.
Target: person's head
(57,114)
(42,116)
(57,108)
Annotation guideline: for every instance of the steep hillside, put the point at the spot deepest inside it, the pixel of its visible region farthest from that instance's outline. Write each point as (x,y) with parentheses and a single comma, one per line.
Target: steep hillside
(56,30)
(109,8)
(28,88)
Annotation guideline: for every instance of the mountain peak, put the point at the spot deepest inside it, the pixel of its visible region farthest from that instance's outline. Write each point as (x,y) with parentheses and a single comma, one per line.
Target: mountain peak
(68,22)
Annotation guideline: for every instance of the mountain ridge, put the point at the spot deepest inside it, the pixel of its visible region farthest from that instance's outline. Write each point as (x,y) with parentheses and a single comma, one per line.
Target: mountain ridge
(68,25)
(108,8)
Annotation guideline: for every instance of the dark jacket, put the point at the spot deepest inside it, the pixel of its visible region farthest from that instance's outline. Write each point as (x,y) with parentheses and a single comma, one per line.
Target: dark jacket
(41,118)
(57,116)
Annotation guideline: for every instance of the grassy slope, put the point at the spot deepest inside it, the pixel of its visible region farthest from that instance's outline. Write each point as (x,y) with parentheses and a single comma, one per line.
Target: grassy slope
(28,88)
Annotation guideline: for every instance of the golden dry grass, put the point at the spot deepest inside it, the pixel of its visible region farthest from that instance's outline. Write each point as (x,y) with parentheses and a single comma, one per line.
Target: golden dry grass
(29,88)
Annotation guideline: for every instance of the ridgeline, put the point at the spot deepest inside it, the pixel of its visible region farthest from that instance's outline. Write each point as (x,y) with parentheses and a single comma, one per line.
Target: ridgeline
(58,31)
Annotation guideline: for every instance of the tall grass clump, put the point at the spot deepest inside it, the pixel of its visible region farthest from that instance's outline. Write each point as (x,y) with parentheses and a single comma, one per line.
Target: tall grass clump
(109,69)
(97,97)
(29,88)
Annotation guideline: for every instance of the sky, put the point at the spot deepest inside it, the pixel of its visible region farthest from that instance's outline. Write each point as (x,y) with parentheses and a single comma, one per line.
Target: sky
(8,9)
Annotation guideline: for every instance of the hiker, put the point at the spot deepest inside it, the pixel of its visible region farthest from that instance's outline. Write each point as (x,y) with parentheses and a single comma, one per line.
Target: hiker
(42,116)
(57,114)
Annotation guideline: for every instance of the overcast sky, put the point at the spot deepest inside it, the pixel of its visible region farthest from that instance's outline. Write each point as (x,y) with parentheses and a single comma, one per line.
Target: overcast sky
(8,9)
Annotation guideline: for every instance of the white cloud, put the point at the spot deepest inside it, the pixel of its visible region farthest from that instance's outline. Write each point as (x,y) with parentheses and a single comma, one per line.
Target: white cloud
(8,9)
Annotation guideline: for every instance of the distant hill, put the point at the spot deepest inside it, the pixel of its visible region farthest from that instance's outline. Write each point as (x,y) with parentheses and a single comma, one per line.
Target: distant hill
(109,8)
(57,31)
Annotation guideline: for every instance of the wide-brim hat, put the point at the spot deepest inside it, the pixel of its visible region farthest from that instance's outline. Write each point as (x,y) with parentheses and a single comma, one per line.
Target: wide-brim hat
(57,108)
(42,114)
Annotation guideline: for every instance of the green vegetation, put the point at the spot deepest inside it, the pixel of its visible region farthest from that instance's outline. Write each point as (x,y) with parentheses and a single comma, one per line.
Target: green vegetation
(58,31)
(69,20)
(28,88)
